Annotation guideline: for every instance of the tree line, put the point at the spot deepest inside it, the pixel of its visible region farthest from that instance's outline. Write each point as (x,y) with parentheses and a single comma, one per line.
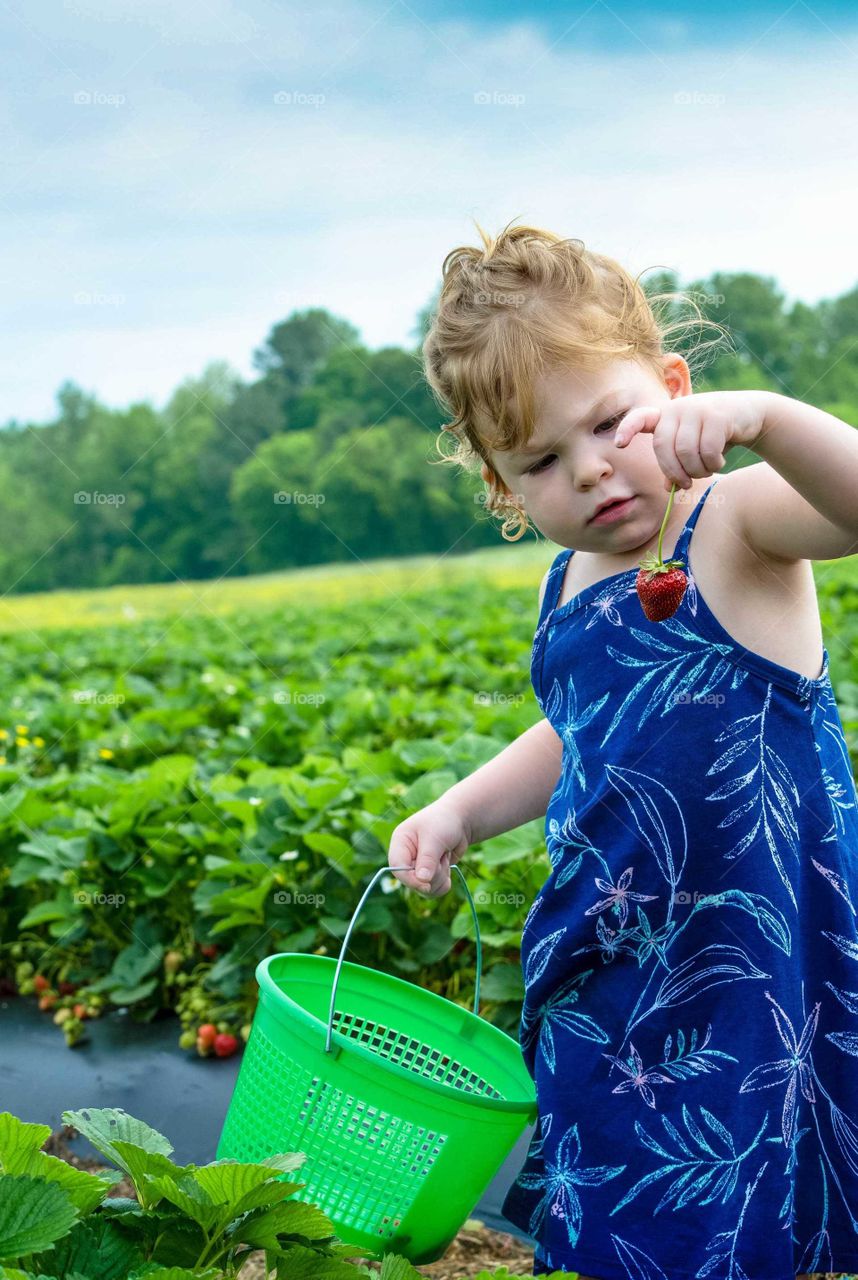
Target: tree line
(326,454)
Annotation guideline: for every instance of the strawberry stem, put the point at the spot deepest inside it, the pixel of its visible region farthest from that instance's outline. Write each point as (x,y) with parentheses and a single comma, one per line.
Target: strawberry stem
(664,521)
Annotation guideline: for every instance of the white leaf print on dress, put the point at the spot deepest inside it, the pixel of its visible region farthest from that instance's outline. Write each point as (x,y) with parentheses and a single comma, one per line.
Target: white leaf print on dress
(707,968)
(602,605)
(725,1242)
(837,881)
(772,922)
(711,1171)
(619,897)
(566,728)
(557,1014)
(773,794)
(795,1069)
(685,1065)
(638,1265)
(560,840)
(658,818)
(692,668)
(558,1182)
(540,956)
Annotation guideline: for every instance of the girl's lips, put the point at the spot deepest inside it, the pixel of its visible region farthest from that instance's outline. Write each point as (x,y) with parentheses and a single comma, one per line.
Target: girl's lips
(615,512)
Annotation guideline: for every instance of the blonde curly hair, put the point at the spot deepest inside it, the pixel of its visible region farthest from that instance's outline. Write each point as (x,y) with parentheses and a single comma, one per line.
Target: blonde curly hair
(527,302)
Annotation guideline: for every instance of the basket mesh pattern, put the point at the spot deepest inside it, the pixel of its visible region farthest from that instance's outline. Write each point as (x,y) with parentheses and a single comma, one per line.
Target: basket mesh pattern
(363,1166)
(413,1054)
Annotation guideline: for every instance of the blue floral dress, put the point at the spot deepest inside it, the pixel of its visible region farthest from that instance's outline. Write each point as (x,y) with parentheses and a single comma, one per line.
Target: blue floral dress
(691,963)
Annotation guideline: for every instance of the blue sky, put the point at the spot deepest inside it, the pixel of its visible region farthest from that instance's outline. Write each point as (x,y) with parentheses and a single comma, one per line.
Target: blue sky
(179,175)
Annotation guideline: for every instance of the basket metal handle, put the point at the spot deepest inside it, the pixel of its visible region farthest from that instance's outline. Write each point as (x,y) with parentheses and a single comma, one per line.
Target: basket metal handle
(383,871)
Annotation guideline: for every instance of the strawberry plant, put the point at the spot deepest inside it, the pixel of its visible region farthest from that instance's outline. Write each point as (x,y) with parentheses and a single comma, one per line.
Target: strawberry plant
(186,1221)
(252,779)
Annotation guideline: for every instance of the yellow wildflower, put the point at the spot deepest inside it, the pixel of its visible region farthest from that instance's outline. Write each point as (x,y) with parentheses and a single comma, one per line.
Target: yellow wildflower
(22,742)
(21,728)
(105,753)
(2,759)
(38,742)
(3,735)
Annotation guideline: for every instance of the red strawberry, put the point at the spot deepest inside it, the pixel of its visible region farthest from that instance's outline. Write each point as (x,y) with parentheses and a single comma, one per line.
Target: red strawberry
(209,950)
(225,1045)
(207,1033)
(660,587)
(41,983)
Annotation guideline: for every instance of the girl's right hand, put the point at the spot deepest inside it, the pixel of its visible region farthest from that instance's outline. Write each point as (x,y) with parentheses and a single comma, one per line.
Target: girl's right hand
(432,839)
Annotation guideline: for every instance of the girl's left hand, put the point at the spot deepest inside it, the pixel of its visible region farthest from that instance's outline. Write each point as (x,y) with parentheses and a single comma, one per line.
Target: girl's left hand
(691,433)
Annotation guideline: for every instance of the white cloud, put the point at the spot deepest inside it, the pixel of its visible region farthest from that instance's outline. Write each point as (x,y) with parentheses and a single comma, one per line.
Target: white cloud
(213,210)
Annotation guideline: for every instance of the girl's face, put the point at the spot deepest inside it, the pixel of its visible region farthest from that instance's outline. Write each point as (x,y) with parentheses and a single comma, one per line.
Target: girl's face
(572,464)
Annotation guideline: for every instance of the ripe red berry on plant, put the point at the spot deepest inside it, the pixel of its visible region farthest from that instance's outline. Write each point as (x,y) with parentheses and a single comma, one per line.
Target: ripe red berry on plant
(225,1045)
(661,585)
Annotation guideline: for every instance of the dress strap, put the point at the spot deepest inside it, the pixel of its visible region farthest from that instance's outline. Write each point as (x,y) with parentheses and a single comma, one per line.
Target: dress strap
(680,551)
(553,583)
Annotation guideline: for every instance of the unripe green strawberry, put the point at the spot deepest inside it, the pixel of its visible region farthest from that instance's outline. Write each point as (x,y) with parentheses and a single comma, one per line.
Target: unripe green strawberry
(173,961)
(187,1040)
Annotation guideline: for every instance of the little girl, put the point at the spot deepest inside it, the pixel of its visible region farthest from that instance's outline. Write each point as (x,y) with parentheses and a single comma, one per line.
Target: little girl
(690,965)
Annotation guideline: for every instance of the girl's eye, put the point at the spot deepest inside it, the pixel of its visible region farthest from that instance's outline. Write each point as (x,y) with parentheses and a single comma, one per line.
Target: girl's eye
(542,465)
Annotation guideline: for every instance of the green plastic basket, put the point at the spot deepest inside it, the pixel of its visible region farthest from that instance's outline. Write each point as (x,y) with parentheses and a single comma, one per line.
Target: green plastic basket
(404,1103)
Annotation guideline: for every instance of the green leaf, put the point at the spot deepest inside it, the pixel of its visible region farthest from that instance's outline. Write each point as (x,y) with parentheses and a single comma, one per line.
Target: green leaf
(428,788)
(19,1141)
(94,1248)
(331,846)
(102,1126)
(293,1219)
(42,912)
(130,995)
(141,1165)
(33,1214)
(174,770)
(300,1262)
(227,1182)
(423,753)
(503,982)
(135,962)
(395,1267)
(285,1161)
(511,846)
(155,1272)
(435,942)
(186,1195)
(85,1190)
